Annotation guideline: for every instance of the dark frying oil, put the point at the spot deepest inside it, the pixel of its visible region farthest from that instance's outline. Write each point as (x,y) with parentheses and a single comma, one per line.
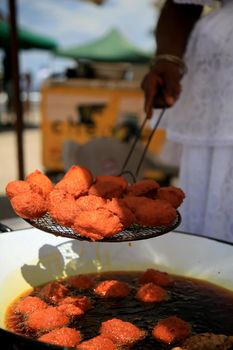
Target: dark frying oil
(206,307)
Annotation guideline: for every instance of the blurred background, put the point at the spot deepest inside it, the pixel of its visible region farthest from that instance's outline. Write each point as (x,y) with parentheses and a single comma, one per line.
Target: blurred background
(70,75)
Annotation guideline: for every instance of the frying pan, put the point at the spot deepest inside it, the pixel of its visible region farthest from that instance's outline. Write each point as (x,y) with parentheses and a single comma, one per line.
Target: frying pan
(31,257)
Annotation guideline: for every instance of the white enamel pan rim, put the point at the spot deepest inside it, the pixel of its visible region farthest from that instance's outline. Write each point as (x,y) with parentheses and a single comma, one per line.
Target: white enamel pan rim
(176,252)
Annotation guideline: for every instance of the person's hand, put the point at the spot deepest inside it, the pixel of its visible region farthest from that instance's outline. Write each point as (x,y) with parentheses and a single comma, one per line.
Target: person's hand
(161,86)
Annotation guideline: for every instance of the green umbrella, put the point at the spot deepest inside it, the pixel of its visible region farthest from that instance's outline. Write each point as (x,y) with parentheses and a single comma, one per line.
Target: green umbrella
(112,47)
(27,38)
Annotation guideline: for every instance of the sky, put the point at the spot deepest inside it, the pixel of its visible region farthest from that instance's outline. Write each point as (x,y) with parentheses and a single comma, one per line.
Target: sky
(74,22)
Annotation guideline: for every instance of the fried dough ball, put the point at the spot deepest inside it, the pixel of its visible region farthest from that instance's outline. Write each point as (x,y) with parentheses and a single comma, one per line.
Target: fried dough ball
(82,302)
(30,304)
(64,336)
(29,205)
(90,202)
(118,207)
(97,343)
(53,292)
(151,212)
(40,183)
(121,333)
(62,207)
(14,188)
(76,181)
(118,180)
(112,289)
(162,279)
(79,172)
(156,213)
(47,319)
(207,341)
(70,310)
(134,203)
(144,188)
(97,224)
(80,281)
(172,194)
(106,190)
(150,293)
(171,330)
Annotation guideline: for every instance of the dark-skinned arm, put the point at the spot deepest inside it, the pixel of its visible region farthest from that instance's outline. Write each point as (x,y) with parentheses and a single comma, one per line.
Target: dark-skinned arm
(174,27)
(172,33)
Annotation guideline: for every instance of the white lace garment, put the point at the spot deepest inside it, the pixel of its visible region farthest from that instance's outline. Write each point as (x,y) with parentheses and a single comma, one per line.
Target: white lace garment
(204,113)
(202,122)
(206,176)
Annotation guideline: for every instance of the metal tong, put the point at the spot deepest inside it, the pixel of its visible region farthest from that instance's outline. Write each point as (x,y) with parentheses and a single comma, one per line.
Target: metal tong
(123,169)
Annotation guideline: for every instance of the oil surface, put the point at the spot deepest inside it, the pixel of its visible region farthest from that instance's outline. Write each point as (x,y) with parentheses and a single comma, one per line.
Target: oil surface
(207,308)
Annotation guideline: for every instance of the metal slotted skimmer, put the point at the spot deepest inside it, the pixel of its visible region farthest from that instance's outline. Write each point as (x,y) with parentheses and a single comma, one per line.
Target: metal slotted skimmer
(134,232)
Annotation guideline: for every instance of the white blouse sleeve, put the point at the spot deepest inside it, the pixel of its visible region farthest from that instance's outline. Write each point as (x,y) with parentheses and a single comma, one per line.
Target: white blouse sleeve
(196,2)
